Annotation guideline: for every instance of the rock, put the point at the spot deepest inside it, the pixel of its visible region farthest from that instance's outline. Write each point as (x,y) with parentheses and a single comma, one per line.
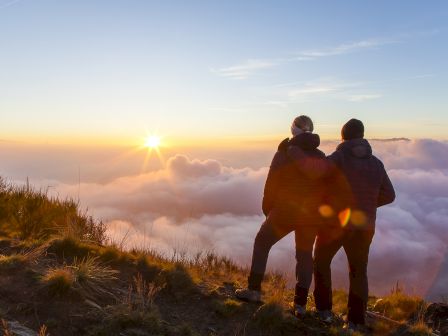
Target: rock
(436,316)
(93,304)
(19,330)
(212,330)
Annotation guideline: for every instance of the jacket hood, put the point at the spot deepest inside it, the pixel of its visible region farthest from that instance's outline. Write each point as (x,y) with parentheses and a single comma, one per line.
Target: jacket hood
(306,141)
(359,148)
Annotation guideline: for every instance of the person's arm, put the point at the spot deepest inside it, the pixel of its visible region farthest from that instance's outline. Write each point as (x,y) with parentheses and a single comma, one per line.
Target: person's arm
(269,192)
(271,185)
(387,192)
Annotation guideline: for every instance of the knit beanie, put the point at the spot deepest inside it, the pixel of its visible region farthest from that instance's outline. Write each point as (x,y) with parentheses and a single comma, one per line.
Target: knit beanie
(302,124)
(353,129)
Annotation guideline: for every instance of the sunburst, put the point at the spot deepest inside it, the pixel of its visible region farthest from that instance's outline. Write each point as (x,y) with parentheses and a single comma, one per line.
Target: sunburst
(152,141)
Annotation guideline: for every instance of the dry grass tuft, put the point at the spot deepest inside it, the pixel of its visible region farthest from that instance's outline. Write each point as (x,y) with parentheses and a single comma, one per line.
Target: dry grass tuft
(142,293)
(340,300)
(275,286)
(59,280)
(15,260)
(400,306)
(92,278)
(6,330)
(86,277)
(43,331)
(11,262)
(420,329)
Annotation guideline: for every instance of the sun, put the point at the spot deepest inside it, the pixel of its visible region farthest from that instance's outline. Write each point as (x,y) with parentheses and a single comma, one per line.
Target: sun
(152,141)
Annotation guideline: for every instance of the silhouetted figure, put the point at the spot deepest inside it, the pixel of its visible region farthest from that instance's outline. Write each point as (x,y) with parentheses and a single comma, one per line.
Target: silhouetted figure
(365,186)
(292,196)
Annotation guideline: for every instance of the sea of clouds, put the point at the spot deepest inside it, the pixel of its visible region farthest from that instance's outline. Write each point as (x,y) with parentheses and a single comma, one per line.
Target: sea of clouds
(194,205)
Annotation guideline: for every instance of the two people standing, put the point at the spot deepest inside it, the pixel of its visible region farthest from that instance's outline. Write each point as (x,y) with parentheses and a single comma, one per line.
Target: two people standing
(329,203)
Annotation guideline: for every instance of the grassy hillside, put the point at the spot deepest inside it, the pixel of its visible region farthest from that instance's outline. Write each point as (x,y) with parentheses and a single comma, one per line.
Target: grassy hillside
(60,276)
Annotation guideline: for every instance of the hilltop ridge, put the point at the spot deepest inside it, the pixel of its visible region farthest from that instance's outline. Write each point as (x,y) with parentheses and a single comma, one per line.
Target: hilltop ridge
(60,275)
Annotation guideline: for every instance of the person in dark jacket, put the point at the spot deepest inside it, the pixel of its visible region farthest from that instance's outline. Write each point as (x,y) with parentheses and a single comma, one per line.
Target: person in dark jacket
(363,186)
(292,196)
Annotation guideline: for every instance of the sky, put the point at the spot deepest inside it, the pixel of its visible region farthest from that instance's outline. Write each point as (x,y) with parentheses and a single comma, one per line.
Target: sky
(108,72)
(82,83)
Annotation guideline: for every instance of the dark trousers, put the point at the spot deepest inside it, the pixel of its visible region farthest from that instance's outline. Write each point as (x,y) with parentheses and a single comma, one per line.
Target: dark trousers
(356,244)
(277,225)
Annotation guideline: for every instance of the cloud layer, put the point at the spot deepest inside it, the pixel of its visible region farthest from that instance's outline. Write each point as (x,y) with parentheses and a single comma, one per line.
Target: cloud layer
(197,205)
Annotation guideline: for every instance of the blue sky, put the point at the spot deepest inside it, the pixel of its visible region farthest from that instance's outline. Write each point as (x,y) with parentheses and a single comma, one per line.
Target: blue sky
(210,69)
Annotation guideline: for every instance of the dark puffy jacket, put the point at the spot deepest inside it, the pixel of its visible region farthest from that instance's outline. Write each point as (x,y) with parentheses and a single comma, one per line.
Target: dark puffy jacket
(293,180)
(367,184)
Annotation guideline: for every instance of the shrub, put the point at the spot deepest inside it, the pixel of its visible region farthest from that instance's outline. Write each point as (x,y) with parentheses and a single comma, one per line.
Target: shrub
(149,270)
(177,280)
(29,214)
(114,256)
(70,247)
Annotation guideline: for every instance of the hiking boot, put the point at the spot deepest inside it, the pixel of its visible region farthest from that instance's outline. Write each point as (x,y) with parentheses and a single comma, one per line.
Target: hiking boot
(299,311)
(248,295)
(325,316)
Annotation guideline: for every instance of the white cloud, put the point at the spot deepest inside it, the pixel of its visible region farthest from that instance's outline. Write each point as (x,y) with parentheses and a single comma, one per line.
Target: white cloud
(246,69)
(185,188)
(362,97)
(346,48)
(327,88)
(311,90)
(251,66)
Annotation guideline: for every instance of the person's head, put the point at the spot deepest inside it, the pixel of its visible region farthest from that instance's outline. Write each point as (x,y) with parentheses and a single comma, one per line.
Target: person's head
(353,129)
(302,124)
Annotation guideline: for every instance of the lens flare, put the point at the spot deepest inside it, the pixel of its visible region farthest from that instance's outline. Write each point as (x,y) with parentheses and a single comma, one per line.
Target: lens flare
(344,217)
(326,211)
(358,218)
